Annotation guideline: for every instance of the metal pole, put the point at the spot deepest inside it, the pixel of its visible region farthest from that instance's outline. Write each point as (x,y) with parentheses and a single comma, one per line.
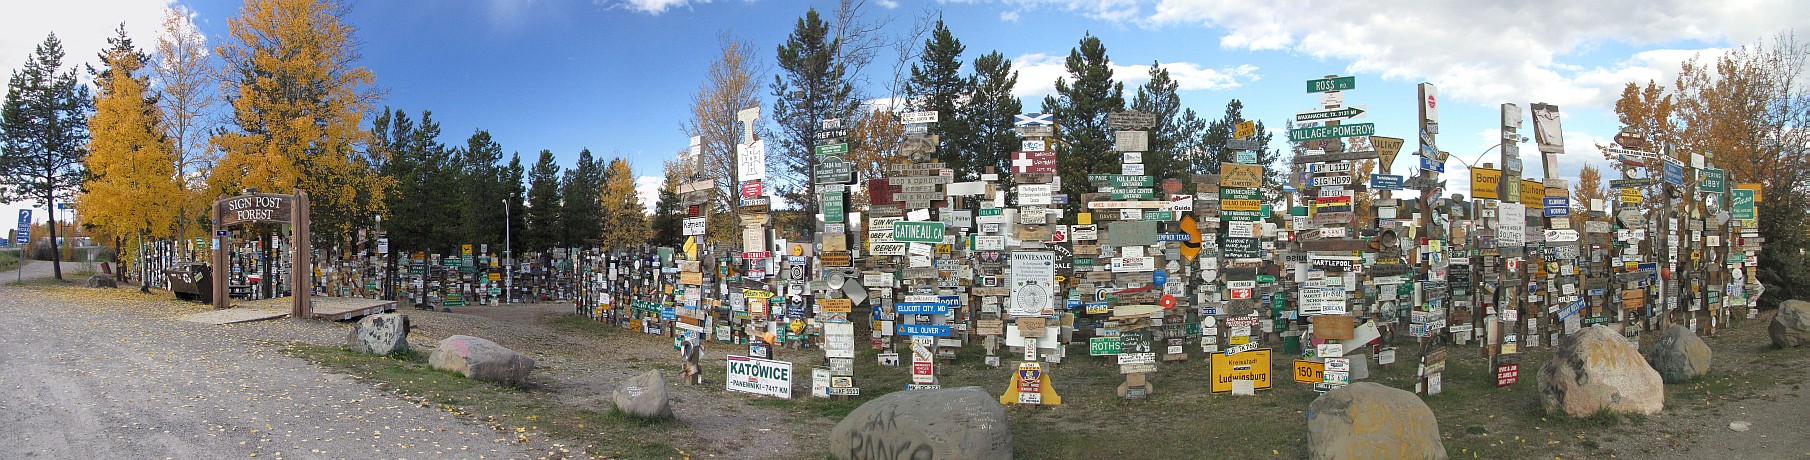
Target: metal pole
(508,258)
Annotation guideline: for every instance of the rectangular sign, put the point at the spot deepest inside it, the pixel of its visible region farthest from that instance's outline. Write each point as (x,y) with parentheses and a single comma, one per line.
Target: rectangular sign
(912,118)
(760,376)
(918,232)
(1253,365)
(924,330)
(1347,113)
(1033,283)
(1321,85)
(1330,132)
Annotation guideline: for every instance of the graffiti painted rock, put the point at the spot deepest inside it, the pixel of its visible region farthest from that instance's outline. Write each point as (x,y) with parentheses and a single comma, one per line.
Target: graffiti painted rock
(644,396)
(1598,369)
(1369,420)
(1791,326)
(925,424)
(1679,355)
(380,334)
(481,359)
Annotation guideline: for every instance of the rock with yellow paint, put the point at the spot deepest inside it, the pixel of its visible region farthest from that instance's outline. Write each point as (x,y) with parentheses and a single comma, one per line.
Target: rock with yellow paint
(1597,369)
(1367,420)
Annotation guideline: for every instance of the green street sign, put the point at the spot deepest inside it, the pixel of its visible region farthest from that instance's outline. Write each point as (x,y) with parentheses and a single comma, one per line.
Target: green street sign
(918,232)
(989,212)
(834,207)
(1162,216)
(1133,194)
(1241,216)
(1230,193)
(1331,84)
(832,149)
(1104,346)
(1710,180)
(1743,206)
(1266,279)
(1329,132)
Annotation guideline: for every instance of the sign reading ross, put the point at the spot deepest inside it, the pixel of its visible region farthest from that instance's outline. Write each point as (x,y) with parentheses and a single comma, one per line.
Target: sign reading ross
(1321,85)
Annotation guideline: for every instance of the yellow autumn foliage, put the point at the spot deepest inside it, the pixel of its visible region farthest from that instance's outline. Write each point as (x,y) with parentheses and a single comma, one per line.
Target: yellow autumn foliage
(133,191)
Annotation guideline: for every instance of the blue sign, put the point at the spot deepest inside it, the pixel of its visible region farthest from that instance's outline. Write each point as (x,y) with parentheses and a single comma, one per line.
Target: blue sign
(1074,304)
(921,308)
(1556,206)
(950,300)
(924,330)
(1674,173)
(1172,237)
(1431,165)
(24,235)
(1159,278)
(1385,182)
(668,314)
(1571,309)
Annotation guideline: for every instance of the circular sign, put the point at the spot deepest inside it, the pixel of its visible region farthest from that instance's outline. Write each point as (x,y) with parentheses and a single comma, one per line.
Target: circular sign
(836,281)
(1167,301)
(1172,186)
(1159,278)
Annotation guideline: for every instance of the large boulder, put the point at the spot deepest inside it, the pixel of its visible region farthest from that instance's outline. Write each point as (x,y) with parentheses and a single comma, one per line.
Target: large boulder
(481,359)
(961,423)
(1597,369)
(1679,355)
(1791,326)
(1368,420)
(380,334)
(644,396)
(102,280)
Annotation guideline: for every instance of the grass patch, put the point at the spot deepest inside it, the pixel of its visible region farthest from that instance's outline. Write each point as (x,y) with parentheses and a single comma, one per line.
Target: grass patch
(512,411)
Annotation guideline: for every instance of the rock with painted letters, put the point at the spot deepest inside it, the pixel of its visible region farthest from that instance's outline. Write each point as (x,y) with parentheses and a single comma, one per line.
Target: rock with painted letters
(952,423)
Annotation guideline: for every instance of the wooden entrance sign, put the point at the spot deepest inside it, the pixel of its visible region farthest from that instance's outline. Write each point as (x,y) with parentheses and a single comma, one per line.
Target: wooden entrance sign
(274,208)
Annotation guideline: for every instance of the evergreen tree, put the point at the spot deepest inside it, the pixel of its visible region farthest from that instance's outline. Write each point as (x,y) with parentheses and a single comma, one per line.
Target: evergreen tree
(1158,97)
(989,114)
(669,215)
(1214,151)
(813,85)
(543,211)
(1083,141)
(582,216)
(937,84)
(517,196)
(422,216)
(132,191)
(43,134)
(482,190)
(624,217)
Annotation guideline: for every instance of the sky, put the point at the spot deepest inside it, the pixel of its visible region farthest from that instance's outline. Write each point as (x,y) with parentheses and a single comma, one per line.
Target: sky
(617,76)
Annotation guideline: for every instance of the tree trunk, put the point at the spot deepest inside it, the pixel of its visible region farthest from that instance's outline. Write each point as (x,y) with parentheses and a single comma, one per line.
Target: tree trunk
(56,255)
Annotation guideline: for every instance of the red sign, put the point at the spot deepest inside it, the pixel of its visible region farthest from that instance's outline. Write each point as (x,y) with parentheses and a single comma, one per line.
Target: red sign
(879,191)
(1038,162)
(1030,381)
(1507,374)
(757,255)
(693,211)
(1167,301)
(922,372)
(751,189)
(1239,293)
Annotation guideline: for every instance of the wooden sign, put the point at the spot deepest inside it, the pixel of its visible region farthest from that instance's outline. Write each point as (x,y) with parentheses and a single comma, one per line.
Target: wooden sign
(1240,175)
(835,259)
(836,305)
(1032,327)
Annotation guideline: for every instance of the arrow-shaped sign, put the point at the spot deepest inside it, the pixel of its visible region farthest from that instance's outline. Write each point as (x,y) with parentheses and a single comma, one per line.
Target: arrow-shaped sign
(1331,115)
(1033,119)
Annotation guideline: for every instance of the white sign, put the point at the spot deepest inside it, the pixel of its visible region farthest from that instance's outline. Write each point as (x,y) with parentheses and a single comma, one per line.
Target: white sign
(1133,169)
(1033,145)
(751,161)
(912,118)
(1511,230)
(1033,284)
(888,248)
(1034,194)
(694,226)
(1340,167)
(760,376)
(839,340)
(1560,236)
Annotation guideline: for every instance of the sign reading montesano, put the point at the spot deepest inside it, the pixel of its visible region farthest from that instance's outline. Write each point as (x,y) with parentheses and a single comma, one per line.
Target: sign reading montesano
(259,207)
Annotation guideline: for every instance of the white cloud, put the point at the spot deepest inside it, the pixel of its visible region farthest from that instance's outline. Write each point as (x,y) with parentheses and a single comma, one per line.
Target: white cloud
(647,188)
(1037,74)
(82,25)
(1488,52)
(655,7)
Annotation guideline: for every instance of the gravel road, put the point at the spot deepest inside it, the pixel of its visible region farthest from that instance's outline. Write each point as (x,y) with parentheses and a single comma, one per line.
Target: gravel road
(85,381)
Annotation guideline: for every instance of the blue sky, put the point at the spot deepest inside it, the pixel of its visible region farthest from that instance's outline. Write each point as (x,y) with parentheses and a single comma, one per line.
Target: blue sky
(616,76)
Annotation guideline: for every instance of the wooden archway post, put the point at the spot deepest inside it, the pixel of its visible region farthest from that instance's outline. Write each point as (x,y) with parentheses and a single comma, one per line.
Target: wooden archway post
(300,267)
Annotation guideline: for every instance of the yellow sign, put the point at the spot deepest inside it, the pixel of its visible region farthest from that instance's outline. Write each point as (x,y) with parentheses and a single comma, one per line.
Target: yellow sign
(1309,371)
(1035,381)
(691,247)
(1241,205)
(496,276)
(1630,195)
(1245,130)
(1252,365)
(836,305)
(465,249)
(1240,175)
(1754,187)
(1240,339)
(1386,149)
(1483,183)
(1190,248)
(1531,192)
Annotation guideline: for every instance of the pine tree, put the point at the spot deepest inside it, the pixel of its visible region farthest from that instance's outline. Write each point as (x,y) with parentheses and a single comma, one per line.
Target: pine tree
(582,215)
(1213,146)
(482,191)
(624,217)
(813,85)
(1158,97)
(298,102)
(517,195)
(132,191)
(937,84)
(668,219)
(44,134)
(543,211)
(989,114)
(421,213)
(1083,141)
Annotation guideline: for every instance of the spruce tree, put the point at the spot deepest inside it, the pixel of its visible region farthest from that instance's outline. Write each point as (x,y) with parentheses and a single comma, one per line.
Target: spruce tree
(937,84)
(543,212)
(989,114)
(813,84)
(1080,106)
